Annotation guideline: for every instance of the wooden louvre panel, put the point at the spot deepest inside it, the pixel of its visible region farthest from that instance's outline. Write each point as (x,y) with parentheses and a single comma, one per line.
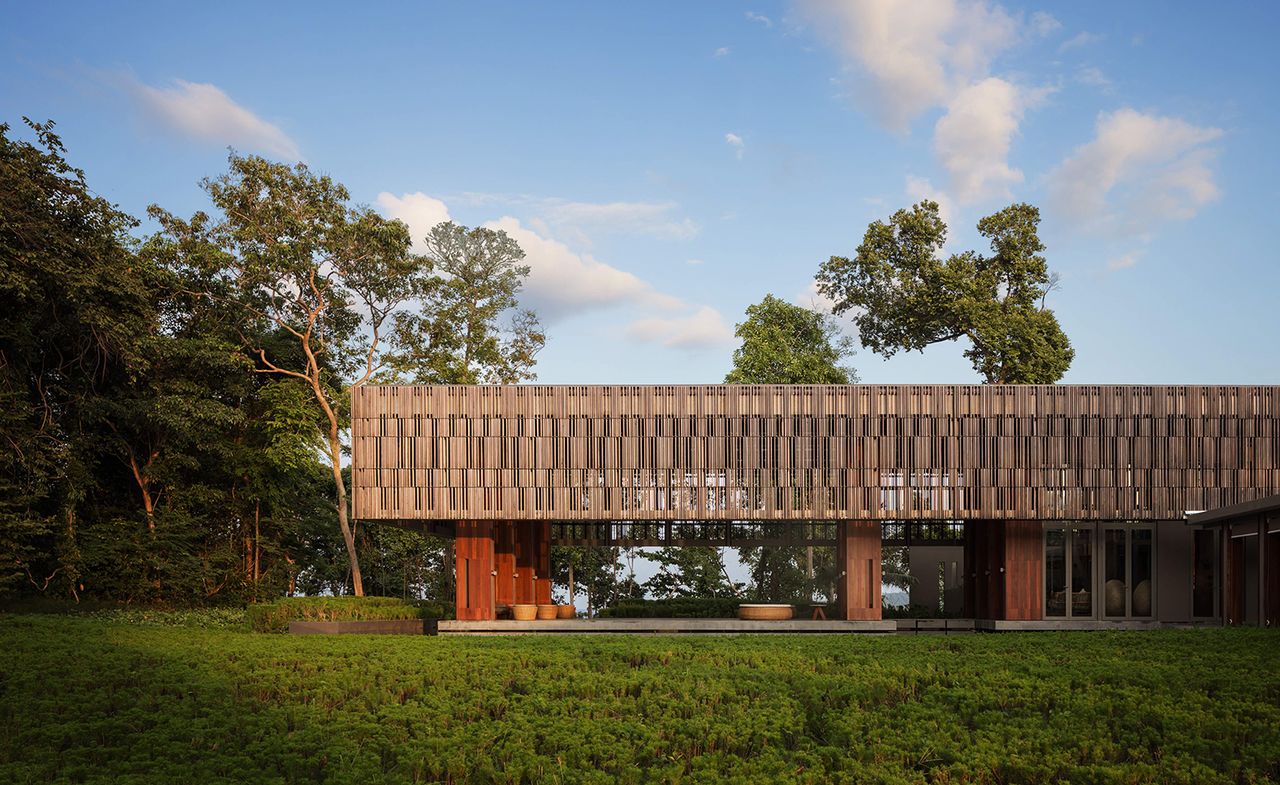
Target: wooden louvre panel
(839,452)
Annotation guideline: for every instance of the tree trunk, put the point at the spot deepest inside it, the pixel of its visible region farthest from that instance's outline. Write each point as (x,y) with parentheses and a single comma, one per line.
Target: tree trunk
(344,522)
(571,592)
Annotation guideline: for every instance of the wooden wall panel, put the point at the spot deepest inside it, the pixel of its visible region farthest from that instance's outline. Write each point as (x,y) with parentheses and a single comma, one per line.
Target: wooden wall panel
(838,452)
(1023,570)
(473,552)
(858,553)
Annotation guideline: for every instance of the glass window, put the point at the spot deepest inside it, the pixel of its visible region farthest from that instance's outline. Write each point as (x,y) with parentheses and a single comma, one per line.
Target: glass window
(1081,573)
(1115,587)
(1055,571)
(1204,573)
(1140,572)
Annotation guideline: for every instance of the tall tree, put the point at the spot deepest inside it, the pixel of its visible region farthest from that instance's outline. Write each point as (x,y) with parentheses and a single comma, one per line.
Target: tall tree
(786,344)
(470,328)
(315,281)
(76,313)
(783,343)
(905,296)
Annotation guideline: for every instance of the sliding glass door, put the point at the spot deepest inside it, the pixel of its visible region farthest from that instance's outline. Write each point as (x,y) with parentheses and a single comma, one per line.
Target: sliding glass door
(1117,584)
(1127,584)
(1068,561)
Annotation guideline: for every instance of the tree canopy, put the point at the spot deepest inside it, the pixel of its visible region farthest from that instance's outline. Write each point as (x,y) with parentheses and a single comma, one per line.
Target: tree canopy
(903,295)
(786,344)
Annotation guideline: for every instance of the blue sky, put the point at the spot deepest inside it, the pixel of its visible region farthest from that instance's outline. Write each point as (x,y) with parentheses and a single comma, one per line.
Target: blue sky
(664,165)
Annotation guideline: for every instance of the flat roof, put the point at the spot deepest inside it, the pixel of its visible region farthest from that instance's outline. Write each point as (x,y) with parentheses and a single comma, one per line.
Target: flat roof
(1231,512)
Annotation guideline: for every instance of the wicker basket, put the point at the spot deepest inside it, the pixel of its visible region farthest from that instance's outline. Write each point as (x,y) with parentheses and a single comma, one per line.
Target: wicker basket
(546,612)
(524,612)
(765,612)
(566,611)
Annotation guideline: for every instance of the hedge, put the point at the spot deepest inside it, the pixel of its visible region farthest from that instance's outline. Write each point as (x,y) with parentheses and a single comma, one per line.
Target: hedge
(679,608)
(275,616)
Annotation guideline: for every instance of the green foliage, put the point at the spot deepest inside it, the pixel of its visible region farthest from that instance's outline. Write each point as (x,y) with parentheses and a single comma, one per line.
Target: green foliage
(689,571)
(470,328)
(786,344)
(96,702)
(275,616)
(905,296)
(690,607)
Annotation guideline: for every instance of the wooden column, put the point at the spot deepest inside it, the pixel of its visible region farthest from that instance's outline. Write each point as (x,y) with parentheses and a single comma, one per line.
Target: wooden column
(504,558)
(858,554)
(473,551)
(1023,570)
(526,554)
(542,563)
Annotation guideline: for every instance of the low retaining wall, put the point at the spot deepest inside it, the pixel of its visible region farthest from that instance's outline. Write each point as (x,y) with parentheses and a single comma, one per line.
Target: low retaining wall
(665,627)
(396,627)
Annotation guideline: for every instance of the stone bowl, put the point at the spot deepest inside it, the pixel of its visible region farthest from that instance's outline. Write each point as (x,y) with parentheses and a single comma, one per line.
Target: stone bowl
(762,612)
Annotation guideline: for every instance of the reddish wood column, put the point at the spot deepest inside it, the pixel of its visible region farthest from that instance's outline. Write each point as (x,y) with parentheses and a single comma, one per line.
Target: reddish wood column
(504,563)
(473,552)
(858,554)
(542,563)
(1023,594)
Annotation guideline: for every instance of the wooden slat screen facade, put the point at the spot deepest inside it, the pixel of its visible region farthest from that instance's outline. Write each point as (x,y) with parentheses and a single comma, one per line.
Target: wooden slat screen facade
(839,452)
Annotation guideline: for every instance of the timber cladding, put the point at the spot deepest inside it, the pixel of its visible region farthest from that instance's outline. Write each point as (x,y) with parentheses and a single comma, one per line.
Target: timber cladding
(834,452)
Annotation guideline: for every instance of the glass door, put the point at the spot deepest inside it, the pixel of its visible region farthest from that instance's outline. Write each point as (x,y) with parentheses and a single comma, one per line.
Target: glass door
(1068,561)
(1126,587)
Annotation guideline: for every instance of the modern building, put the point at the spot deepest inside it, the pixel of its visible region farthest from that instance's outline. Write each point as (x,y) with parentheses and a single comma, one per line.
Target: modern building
(1033,505)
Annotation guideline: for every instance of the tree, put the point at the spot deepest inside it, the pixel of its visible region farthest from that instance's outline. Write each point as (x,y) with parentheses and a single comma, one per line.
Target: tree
(76,313)
(905,297)
(786,344)
(315,282)
(690,571)
(470,329)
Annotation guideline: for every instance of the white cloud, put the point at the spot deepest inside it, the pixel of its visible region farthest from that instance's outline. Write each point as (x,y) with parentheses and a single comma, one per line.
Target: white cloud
(202,111)
(973,138)
(1044,24)
(703,328)
(654,219)
(1139,171)
(1123,261)
(562,282)
(752,16)
(722,52)
(694,262)
(1079,40)
(735,141)
(1093,77)
(908,57)
(419,211)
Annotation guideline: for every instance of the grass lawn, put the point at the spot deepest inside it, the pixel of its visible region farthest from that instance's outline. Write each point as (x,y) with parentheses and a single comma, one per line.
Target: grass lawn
(134,700)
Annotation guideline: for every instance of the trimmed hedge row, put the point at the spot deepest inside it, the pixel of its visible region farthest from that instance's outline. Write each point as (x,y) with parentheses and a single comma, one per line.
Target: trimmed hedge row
(679,608)
(275,616)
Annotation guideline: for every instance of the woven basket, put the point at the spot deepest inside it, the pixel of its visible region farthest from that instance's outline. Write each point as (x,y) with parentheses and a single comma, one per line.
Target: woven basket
(546,612)
(566,611)
(524,612)
(765,612)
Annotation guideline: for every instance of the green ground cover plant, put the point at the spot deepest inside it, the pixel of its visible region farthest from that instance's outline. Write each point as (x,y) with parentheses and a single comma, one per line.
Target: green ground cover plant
(92,700)
(275,616)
